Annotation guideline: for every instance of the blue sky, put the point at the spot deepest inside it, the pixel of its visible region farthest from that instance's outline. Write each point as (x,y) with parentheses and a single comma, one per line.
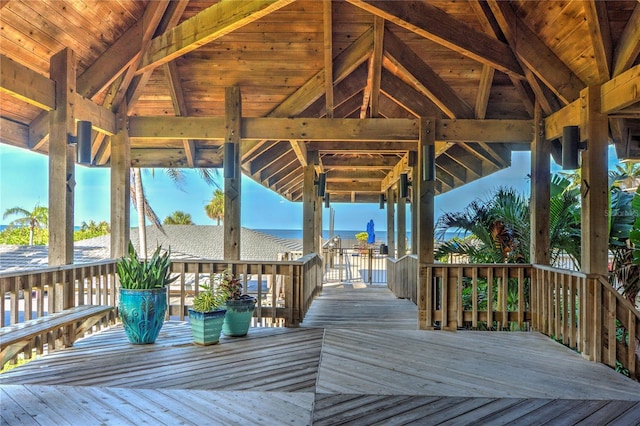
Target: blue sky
(24,183)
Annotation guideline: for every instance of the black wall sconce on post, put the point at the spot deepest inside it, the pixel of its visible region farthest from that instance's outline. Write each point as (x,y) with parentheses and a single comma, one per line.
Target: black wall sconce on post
(571,147)
(322,184)
(382,201)
(404,185)
(82,142)
(229,160)
(326,199)
(428,162)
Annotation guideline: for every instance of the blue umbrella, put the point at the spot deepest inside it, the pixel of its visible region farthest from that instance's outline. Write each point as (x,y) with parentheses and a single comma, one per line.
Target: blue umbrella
(371,237)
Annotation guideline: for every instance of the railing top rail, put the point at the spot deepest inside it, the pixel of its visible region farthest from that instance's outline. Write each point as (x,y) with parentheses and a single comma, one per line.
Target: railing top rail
(620,298)
(400,259)
(480,265)
(50,269)
(563,271)
(301,261)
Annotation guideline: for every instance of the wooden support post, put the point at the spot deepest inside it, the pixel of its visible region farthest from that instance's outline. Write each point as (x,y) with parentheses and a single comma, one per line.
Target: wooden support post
(595,186)
(402,226)
(62,159)
(540,191)
(424,197)
(309,199)
(391,226)
(120,185)
(232,185)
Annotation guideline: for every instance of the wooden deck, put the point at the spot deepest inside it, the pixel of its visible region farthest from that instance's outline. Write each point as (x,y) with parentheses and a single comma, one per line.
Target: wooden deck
(374,368)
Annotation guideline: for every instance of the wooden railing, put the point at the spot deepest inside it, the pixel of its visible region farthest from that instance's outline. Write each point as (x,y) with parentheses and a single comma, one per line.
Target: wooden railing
(402,277)
(284,289)
(35,294)
(485,297)
(587,314)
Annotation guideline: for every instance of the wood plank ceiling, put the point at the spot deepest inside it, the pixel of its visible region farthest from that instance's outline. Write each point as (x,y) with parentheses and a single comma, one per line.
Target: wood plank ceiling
(473,65)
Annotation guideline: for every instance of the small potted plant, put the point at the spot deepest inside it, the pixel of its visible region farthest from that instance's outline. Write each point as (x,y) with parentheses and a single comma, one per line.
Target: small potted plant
(239,306)
(207,314)
(142,302)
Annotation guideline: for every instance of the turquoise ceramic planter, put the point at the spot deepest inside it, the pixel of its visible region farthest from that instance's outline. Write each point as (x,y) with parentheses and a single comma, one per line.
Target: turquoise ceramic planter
(206,326)
(142,313)
(238,317)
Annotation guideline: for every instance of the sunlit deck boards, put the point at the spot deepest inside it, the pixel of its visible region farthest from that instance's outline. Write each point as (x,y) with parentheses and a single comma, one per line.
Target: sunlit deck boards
(360,306)
(323,376)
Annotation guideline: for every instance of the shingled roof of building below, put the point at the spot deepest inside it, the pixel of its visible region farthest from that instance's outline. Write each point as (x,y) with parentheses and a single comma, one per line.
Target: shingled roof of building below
(185,241)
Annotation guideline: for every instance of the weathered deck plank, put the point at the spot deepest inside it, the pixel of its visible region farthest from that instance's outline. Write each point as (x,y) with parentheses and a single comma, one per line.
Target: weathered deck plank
(351,362)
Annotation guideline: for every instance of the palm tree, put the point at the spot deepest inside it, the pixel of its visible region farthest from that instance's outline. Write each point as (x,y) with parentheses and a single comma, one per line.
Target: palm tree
(141,204)
(497,230)
(625,176)
(215,208)
(38,217)
(178,218)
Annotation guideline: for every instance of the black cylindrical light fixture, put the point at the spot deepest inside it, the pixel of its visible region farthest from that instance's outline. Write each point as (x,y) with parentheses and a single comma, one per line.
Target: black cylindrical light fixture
(428,162)
(229,160)
(326,200)
(381,201)
(83,149)
(322,183)
(404,185)
(570,145)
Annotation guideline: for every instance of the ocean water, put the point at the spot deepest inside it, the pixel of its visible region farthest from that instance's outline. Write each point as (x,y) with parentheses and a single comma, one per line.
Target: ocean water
(381,236)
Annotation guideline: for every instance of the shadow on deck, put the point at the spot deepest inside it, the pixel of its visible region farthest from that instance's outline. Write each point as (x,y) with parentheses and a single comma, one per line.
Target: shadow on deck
(357,359)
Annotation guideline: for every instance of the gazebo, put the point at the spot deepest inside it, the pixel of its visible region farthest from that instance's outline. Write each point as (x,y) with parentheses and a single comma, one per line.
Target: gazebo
(355,101)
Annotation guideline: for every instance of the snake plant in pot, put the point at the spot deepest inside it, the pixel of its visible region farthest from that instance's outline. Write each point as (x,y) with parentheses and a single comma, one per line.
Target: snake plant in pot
(142,302)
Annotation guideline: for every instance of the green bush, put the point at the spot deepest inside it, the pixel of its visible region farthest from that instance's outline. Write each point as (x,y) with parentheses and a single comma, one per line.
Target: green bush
(20,236)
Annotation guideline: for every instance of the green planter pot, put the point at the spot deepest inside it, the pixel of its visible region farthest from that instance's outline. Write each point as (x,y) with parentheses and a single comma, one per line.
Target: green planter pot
(238,317)
(206,326)
(142,313)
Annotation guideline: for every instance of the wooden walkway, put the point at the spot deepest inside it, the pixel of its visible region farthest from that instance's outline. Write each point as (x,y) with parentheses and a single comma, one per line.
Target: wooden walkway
(365,371)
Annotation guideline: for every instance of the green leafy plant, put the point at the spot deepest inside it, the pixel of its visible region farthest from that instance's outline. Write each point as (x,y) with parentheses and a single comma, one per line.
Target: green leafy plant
(211,298)
(232,286)
(139,274)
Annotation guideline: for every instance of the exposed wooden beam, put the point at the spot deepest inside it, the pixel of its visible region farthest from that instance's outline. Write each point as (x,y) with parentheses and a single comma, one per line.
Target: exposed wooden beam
(491,27)
(616,94)
(337,129)
(432,23)
(22,83)
(327,20)
(39,131)
(536,55)
(621,91)
(102,119)
(424,78)
(600,33)
(484,90)
(464,158)
(269,156)
(208,25)
(337,187)
(373,75)
(406,96)
(369,147)
(392,177)
(179,106)
(300,150)
(359,163)
(13,133)
(628,46)
(343,65)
